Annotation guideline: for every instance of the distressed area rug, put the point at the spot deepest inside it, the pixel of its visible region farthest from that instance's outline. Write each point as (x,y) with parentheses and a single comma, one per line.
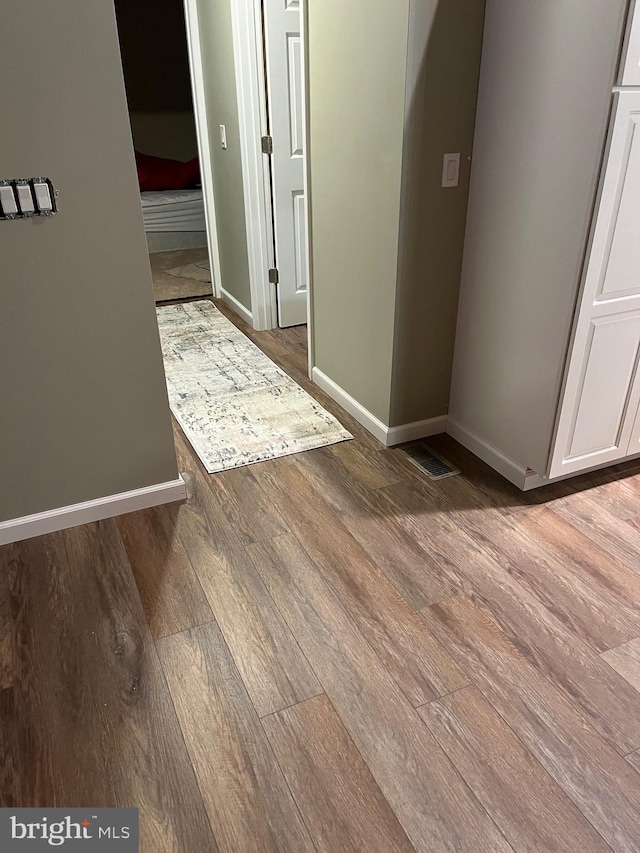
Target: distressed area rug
(196,272)
(234,404)
(168,285)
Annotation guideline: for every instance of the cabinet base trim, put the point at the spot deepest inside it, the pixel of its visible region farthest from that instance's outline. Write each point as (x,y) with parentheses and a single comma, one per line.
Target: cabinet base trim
(17,529)
(524,479)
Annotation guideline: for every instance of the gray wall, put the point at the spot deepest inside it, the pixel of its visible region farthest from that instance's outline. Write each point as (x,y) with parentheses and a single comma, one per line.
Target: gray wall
(214,17)
(387,100)
(357,62)
(445,45)
(83,410)
(543,107)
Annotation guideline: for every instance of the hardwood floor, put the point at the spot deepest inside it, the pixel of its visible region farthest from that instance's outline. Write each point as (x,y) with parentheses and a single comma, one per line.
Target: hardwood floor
(335,790)
(331,652)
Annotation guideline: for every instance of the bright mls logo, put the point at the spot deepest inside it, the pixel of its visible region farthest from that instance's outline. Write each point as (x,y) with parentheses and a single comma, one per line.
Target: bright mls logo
(103,830)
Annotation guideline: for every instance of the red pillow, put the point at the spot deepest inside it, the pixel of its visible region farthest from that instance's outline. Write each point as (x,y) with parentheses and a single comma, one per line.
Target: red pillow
(156,173)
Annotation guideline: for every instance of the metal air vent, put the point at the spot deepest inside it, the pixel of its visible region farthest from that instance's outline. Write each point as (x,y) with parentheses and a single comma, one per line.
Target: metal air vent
(433,466)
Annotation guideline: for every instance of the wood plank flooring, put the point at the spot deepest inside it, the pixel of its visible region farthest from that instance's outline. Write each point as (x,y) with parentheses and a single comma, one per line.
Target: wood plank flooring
(337,794)
(468,726)
(330,652)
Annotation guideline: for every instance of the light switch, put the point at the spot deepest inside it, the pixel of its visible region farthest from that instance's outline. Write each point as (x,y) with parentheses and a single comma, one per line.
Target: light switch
(22,198)
(223,136)
(451,170)
(43,197)
(8,200)
(25,199)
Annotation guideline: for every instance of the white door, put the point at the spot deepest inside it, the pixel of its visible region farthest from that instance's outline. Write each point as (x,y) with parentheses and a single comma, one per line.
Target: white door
(286,119)
(602,391)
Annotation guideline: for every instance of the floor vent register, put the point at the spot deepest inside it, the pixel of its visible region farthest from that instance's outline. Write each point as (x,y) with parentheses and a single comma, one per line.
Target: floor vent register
(425,459)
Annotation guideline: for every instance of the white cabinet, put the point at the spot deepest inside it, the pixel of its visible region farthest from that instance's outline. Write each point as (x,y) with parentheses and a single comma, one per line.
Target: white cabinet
(599,420)
(546,372)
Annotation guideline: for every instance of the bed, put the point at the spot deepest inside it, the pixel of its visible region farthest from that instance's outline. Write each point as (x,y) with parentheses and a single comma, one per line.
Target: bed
(174,219)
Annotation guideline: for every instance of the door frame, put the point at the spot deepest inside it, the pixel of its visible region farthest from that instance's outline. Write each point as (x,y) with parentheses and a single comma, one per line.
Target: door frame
(248,55)
(202,134)
(251,94)
(251,85)
(246,23)
(306,135)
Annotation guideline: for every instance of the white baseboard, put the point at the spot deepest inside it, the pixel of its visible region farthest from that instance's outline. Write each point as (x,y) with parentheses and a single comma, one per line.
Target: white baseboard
(388,436)
(493,457)
(416,430)
(524,479)
(52,520)
(353,407)
(238,307)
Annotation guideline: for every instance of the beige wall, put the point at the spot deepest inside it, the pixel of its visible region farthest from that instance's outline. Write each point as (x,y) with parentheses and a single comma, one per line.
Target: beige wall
(390,97)
(444,65)
(83,408)
(214,17)
(357,63)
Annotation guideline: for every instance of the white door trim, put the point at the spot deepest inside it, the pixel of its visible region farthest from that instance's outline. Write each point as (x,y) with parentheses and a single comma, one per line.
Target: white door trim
(304,42)
(202,132)
(246,22)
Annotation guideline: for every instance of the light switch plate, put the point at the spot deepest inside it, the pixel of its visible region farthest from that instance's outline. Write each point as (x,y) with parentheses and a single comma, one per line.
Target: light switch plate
(451,170)
(24,198)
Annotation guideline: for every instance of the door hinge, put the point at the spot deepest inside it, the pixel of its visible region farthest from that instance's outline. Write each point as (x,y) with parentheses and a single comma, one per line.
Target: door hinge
(267,145)
(274,276)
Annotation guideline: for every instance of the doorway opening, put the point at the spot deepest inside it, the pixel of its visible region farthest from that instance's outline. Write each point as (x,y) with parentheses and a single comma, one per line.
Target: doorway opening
(153,46)
(225,79)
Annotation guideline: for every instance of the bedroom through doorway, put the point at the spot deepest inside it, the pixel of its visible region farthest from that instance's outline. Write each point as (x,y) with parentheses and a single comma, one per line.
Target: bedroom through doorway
(155,60)
(225,79)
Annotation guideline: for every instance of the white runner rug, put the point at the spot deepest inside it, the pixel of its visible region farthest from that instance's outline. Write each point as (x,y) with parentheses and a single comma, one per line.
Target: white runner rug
(234,404)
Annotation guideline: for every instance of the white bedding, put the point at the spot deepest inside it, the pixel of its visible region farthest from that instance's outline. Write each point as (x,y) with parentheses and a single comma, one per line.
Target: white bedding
(173,210)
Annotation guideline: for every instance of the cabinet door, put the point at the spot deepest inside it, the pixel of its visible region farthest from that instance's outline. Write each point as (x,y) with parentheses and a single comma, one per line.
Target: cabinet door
(602,391)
